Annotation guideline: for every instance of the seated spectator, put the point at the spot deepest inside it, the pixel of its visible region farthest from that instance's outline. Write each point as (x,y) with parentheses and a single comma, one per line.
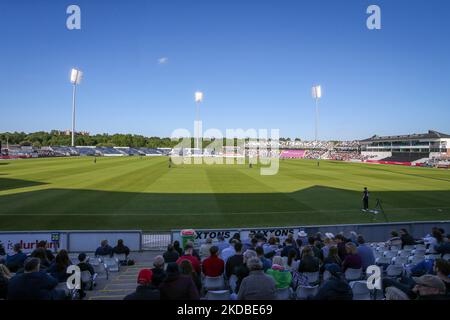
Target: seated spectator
(242,271)
(159,275)
(121,249)
(443,247)
(222,244)
(352,259)
(406,238)
(104,250)
(257,285)
(442,270)
(335,287)
(365,252)
(234,262)
(266,262)
(187,269)
(282,276)
(58,268)
(177,286)
(171,255)
(2,250)
(145,290)
(302,236)
(42,255)
(326,247)
(204,248)
(16,260)
(395,240)
(423,267)
(43,244)
(333,257)
(435,238)
(316,251)
(33,284)
(308,263)
(5,276)
(340,243)
(393,293)
(429,287)
(292,262)
(84,265)
(176,246)
(213,266)
(188,251)
(288,247)
(270,248)
(230,251)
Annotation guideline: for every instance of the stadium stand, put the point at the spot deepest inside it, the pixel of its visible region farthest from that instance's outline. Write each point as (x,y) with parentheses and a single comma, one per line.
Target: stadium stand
(406,156)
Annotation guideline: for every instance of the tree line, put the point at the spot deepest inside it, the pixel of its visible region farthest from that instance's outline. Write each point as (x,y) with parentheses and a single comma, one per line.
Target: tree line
(57,138)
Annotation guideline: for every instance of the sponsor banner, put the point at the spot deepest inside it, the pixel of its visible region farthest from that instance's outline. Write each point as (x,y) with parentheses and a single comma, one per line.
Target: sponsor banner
(281,233)
(29,240)
(202,234)
(390,162)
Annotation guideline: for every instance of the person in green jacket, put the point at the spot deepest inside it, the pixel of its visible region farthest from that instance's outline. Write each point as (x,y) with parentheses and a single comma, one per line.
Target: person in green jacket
(278,272)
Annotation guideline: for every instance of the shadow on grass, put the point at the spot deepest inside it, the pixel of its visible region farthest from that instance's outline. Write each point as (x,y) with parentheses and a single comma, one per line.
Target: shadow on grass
(85,209)
(7,184)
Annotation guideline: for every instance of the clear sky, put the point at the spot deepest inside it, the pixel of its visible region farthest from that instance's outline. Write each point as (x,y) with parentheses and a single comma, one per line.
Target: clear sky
(255,60)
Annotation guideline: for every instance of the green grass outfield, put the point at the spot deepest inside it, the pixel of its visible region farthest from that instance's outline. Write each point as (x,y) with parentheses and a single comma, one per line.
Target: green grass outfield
(143,193)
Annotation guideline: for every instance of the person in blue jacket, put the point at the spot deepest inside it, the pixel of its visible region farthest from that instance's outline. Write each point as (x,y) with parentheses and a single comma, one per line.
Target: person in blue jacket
(33,284)
(16,260)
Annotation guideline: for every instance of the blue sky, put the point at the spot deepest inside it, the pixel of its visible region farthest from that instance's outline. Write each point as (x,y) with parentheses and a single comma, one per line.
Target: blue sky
(255,60)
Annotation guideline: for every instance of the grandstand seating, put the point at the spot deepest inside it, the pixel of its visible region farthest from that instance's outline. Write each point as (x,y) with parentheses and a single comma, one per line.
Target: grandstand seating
(113,281)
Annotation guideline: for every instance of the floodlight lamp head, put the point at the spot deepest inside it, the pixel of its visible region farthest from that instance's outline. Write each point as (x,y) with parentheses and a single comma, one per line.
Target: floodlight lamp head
(317,92)
(198,96)
(76,76)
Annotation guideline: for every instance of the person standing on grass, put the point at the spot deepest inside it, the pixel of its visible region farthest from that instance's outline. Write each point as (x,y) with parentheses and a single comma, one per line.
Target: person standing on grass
(366,199)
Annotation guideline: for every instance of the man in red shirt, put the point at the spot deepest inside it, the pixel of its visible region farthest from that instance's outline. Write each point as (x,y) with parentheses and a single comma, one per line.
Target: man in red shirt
(213,266)
(188,250)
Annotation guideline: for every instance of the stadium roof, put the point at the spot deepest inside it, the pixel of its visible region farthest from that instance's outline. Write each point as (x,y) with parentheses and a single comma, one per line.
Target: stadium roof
(429,135)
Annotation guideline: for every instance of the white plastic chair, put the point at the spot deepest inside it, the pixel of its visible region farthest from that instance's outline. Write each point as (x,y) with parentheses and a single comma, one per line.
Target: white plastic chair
(303,292)
(400,260)
(111,264)
(233,282)
(421,247)
(409,247)
(120,257)
(313,277)
(101,270)
(433,256)
(360,290)
(214,283)
(390,254)
(405,253)
(383,261)
(353,274)
(419,252)
(416,259)
(283,294)
(218,295)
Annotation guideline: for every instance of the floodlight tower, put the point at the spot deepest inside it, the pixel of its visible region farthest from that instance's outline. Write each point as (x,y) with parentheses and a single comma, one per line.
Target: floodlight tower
(317,94)
(75,79)
(198,100)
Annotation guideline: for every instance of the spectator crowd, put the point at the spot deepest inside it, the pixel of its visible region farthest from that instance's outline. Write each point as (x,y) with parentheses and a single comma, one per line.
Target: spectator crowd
(302,266)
